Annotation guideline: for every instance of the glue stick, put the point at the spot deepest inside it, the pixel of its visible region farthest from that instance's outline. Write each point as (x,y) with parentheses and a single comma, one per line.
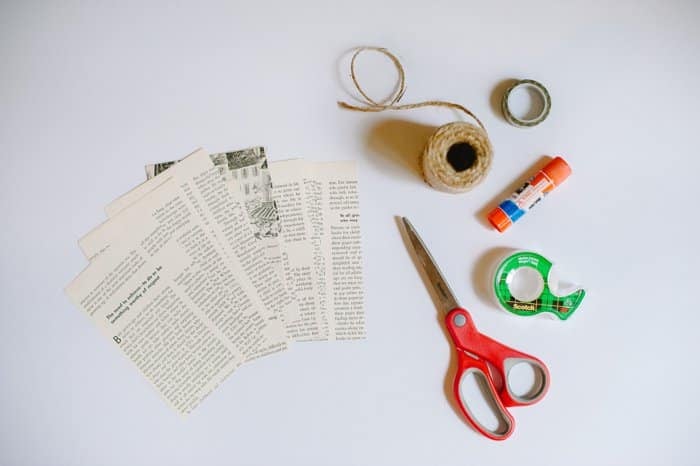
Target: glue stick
(532,192)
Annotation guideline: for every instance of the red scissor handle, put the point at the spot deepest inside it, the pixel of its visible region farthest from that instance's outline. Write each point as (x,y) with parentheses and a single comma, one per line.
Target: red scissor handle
(474,350)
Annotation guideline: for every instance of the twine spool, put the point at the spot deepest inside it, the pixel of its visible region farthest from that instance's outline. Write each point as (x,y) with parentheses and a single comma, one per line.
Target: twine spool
(457,156)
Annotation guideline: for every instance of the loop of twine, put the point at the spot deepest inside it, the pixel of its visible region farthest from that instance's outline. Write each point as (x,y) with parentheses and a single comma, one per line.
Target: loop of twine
(393,103)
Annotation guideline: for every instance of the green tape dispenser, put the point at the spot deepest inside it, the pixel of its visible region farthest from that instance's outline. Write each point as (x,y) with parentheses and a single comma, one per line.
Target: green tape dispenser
(524,284)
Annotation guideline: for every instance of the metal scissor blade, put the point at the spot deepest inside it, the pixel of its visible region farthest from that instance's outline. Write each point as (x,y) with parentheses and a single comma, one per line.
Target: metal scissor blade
(444,293)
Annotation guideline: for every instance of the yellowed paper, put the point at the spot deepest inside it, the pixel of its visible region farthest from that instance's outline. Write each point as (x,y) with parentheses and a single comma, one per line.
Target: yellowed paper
(321,246)
(247,175)
(194,169)
(297,250)
(223,213)
(340,244)
(164,293)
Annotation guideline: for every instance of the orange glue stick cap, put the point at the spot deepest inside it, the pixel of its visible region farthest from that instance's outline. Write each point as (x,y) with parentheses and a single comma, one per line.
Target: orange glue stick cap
(557,170)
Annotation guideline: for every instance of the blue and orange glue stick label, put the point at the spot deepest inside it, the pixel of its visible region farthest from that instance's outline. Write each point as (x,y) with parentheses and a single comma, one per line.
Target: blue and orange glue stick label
(532,192)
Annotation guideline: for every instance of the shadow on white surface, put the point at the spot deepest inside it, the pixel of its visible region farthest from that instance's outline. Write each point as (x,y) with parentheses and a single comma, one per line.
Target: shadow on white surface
(398,144)
(497,96)
(482,275)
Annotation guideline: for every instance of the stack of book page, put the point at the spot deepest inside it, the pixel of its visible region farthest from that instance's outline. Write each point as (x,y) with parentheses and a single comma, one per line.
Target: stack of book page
(220,259)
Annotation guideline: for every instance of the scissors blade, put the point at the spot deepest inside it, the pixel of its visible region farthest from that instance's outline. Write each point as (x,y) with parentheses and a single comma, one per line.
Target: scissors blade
(444,293)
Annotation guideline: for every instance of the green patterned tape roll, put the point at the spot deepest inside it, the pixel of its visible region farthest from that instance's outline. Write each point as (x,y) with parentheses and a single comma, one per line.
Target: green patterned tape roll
(525,285)
(526,122)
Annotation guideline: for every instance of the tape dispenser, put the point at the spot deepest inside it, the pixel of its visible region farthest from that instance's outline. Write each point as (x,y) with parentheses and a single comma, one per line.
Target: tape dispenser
(525,283)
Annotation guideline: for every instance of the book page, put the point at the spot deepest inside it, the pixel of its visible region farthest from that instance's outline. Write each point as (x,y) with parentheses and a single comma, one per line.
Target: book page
(313,195)
(248,177)
(132,301)
(100,238)
(169,206)
(225,216)
(321,246)
(340,242)
(297,249)
(162,292)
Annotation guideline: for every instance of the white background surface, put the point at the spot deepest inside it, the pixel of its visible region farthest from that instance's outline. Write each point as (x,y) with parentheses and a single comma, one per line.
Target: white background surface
(91,92)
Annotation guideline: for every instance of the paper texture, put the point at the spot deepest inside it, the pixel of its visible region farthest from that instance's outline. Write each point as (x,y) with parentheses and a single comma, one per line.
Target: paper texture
(297,249)
(125,226)
(217,260)
(321,247)
(246,173)
(339,212)
(223,212)
(162,290)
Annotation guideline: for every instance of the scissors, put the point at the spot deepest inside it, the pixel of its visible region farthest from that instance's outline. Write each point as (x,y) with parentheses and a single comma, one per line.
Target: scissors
(478,355)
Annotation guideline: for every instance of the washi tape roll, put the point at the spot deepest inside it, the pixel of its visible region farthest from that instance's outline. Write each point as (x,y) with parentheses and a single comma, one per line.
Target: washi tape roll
(525,285)
(457,156)
(539,90)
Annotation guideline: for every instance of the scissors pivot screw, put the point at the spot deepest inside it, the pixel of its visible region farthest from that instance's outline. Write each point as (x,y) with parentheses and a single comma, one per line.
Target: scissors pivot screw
(460,320)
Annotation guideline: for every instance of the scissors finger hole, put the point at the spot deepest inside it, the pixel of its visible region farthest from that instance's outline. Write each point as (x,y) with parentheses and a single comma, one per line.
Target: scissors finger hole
(525,380)
(479,402)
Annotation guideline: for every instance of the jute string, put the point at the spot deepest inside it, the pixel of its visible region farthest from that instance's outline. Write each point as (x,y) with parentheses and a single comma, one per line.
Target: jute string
(436,169)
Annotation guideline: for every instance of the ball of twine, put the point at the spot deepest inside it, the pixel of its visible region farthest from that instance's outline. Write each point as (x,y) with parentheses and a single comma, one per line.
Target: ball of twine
(437,171)
(440,174)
